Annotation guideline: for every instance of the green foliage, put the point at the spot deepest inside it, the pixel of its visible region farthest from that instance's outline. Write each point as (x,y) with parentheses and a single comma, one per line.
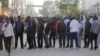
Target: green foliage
(73,9)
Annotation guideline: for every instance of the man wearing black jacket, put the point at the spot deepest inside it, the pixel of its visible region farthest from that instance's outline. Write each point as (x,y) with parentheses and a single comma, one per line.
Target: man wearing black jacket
(40,33)
(19,29)
(46,39)
(87,33)
(34,32)
(61,32)
(29,31)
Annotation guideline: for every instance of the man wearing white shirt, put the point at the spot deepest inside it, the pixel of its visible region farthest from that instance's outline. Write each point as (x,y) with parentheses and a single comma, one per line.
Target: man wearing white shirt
(91,20)
(8,33)
(74,29)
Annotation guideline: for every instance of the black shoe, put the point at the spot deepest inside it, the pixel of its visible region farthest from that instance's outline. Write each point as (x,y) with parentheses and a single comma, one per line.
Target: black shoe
(53,46)
(84,47)
(35,47)
(50,46)
(71,46)
(22,48)
(78,47)
(60,46)
(87,46)
(64,47)
(39,47)
(67,46)
(29,48)
(95,48)
(15,48)
(91,48)
(46,47)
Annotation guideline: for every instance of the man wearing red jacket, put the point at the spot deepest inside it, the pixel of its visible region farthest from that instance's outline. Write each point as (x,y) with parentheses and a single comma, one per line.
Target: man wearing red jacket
(53,31)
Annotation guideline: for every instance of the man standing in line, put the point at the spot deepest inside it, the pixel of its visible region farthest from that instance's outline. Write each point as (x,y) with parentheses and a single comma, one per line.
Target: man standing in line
(53,30)
(87,33)
(40,33)
(74,29)
(29,30)
(47,31)
(8,33)
(19,29)
(67,22)
(94,32)
(61,32)
(34,32)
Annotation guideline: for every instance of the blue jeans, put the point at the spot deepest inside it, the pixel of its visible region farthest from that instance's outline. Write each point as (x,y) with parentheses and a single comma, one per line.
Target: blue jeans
(73,36)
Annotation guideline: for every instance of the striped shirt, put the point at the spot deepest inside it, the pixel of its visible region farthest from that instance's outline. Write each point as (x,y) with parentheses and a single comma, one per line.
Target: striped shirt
(96,26)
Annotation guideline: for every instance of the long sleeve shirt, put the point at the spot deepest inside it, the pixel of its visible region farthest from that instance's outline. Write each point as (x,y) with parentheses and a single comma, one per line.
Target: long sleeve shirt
(96,26)
(74,26)
(66,21)
(8,30)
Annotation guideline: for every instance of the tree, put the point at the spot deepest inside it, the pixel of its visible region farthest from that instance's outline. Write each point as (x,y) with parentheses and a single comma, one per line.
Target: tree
(73,9)
(30,11)
(44,10)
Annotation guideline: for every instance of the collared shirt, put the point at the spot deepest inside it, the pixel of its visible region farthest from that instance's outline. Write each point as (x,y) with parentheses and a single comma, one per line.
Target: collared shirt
(91,21)
(66,21)
(8,31)
(74,26)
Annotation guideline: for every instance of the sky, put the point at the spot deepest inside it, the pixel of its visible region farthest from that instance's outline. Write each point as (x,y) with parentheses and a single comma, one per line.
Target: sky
(89,3)
(36,2)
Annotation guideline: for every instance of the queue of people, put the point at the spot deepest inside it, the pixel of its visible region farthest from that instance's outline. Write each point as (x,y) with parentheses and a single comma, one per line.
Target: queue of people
(44,30)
